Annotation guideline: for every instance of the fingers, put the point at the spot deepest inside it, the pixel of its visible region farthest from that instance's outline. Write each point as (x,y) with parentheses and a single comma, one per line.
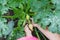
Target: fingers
(27,31)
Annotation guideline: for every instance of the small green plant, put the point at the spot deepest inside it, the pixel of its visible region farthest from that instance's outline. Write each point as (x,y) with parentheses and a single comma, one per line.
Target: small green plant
(44,12)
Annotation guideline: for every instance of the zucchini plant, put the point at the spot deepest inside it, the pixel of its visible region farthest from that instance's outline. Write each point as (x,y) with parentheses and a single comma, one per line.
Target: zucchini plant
(44,12)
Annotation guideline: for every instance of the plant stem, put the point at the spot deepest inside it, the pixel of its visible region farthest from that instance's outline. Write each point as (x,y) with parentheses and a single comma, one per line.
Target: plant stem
(37,34)
(43,36)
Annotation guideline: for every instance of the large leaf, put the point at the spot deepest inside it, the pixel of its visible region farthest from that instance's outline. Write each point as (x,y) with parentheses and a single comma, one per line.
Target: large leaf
(57,2)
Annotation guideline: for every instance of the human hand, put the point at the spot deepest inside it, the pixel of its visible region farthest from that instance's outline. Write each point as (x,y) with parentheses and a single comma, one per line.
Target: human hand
(48,34)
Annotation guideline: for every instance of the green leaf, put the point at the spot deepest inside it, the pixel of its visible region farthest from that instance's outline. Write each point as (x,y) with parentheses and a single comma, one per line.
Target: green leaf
(16,33)
(53,28)
(57,2)
(3,26)
(45,22)
(10,28)
(3,2)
